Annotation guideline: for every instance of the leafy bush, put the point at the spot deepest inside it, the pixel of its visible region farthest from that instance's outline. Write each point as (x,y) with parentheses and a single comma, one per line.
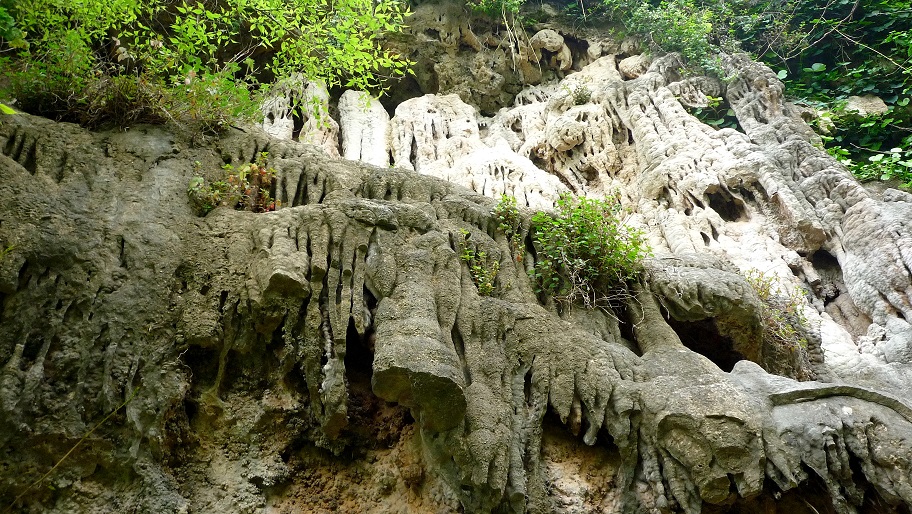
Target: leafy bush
(194,56)
(671,26)
(482,268)
(496,8)
(509,222)
(246,188)
(585,252)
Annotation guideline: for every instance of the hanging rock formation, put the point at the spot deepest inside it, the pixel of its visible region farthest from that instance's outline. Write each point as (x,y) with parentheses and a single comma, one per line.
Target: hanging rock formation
(335,355)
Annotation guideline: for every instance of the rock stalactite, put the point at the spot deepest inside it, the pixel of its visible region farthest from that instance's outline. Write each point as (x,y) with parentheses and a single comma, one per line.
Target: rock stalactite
(343,336)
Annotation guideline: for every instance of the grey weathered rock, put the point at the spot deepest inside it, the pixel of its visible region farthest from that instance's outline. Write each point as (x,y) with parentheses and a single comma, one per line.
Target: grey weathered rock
(335,355)
(866,105)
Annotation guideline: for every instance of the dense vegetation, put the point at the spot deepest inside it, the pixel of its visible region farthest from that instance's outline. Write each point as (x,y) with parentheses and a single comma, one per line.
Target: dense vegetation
(202,64)
(826,52)
(205,63)
(585,252)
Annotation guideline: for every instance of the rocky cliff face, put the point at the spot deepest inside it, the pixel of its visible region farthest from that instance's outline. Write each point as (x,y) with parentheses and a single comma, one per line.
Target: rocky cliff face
(335,355)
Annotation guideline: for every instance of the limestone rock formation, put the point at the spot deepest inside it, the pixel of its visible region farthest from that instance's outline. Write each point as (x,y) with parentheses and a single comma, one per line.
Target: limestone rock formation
(365,126)
(336,356)
(308,103)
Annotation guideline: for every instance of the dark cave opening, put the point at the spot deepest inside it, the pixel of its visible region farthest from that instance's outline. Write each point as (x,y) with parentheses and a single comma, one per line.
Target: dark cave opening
(727,206)
(830,273)
(832,291)
(810,497)
(704,338)
(359,353)
(372,422)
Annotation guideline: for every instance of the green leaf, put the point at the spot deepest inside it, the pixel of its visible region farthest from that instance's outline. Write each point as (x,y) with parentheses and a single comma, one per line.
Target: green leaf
(5,109)
(782,74)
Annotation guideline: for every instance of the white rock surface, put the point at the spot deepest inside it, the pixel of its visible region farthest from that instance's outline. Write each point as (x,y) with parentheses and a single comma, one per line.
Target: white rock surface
(761,197)
(866,105)
(365,128)
(440,136)
(308,101)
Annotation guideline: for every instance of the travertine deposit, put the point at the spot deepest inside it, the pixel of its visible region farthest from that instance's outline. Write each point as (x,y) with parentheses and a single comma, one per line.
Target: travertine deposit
(335,355)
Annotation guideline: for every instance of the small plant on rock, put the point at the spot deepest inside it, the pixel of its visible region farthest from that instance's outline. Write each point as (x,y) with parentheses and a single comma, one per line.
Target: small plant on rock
(509,222)
(482,268)
(781,312)
(581,94)
(716,114)
(585,252)
(245,188)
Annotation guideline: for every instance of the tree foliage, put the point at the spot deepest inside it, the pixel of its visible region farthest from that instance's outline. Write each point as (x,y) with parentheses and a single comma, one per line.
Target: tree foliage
(61,53)
(824,51)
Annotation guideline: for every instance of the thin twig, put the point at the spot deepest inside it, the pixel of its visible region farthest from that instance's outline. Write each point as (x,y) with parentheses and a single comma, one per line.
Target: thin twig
(84,437)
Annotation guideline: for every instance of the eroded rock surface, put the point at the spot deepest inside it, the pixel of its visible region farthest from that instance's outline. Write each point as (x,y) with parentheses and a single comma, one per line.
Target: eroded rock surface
(335,355)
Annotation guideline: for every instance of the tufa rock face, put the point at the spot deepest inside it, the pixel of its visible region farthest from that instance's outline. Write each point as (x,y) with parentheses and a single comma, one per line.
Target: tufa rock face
(335,355)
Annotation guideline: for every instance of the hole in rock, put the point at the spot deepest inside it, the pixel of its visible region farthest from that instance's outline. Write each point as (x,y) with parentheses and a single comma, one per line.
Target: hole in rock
(728,207)
(704,338)
(810,497)
(359,354)
(24,276)
(190,408)
(830,288)
(666,197)
(73,313)
(297,123)
(372,422)
(827,267)
(747,196)
(625,327)
(203,364)
(32,348)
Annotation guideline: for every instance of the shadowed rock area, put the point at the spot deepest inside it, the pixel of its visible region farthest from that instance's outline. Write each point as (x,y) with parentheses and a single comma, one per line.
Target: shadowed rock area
(335,355)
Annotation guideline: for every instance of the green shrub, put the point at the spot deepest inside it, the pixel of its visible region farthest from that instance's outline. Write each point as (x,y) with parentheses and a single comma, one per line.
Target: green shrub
(585,252)
(509,222)
(246,188)
(196,57)
(672,26)
(482,268)
(496,8)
